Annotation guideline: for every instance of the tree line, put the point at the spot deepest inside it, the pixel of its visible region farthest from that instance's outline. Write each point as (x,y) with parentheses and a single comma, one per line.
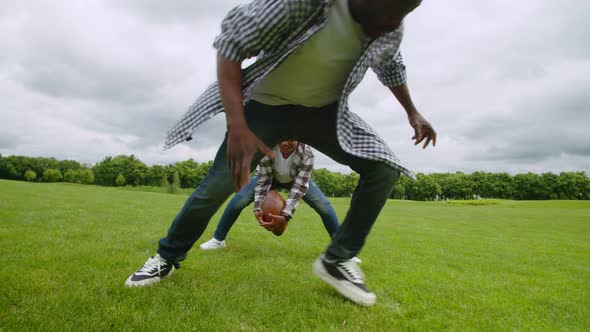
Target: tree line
(116,171)
(126,170)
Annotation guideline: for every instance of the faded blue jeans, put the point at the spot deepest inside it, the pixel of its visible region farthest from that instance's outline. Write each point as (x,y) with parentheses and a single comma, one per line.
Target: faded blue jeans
(314,197)
(273,124)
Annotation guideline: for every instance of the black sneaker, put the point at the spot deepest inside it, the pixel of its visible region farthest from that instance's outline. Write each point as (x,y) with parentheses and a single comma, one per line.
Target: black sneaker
(346,277)
(155,269)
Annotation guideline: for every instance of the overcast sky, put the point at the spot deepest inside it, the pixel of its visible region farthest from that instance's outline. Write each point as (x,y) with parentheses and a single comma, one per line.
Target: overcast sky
(505,83)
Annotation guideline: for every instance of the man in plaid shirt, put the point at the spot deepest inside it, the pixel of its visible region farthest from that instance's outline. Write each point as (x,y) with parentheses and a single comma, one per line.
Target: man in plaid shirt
(291,170)
(311,55)
(297,172)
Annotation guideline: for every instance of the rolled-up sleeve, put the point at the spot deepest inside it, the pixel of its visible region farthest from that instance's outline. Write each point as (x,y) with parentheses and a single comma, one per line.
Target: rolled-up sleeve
(251,28)
(389,64)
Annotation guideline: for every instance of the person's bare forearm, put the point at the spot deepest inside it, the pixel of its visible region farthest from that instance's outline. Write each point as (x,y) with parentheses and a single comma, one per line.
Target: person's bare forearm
(229,77)
(402,94)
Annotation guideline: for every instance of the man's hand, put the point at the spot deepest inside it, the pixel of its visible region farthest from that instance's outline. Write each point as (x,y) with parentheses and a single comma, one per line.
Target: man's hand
(277,223)
(241,146)
(258,215)
(422,130)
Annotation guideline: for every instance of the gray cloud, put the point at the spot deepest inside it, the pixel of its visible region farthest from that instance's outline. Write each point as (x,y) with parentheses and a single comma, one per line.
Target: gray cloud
(9,141)
(180,11)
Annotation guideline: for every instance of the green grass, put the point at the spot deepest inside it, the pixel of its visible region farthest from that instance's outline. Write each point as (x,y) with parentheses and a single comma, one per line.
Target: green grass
(162,190)
(65,251)
(474,202)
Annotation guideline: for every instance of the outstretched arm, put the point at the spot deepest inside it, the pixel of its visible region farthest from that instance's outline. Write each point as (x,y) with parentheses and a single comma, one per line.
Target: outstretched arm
(391,71)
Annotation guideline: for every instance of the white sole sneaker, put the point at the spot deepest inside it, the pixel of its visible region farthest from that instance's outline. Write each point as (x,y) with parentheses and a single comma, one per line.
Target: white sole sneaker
(146,282)
(343,286)
(154,270)
(213,244)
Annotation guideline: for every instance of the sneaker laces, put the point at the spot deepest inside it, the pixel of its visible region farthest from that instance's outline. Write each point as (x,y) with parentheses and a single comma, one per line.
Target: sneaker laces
(353,271)
(153,264)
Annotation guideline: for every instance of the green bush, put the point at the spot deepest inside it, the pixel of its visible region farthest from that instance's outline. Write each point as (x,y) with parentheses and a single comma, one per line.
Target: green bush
(86,176)
(52,175)
(30,176)
(120,181)
(70,176)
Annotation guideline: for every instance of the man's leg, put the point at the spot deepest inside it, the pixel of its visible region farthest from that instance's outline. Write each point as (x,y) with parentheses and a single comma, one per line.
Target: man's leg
(315,198)
(194,216)
(188,225)
(376,182)
(336,267)
(370,195)
(234,208)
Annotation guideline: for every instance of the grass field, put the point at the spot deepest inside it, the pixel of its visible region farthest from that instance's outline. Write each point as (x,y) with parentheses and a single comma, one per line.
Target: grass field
(66,250)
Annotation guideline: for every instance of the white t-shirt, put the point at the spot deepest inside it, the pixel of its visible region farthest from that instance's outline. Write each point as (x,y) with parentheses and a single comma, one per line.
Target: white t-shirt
(281,169)
(315,73)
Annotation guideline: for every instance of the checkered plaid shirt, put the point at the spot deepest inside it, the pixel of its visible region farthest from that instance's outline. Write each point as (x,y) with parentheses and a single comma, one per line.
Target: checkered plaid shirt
(271,30)
(301,167)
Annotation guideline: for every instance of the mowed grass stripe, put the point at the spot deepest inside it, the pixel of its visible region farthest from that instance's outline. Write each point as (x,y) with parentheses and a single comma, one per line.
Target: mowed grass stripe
(65,251)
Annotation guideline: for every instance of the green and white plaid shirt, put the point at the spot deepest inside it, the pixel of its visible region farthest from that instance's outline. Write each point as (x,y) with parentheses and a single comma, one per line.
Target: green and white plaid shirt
(300,170)
(271,30)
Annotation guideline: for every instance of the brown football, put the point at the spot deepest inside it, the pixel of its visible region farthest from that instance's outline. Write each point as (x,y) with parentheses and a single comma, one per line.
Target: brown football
(273,203)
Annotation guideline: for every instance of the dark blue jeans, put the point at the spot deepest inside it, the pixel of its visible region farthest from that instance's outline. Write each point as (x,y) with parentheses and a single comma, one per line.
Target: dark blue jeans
(273,124)
(314,197)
